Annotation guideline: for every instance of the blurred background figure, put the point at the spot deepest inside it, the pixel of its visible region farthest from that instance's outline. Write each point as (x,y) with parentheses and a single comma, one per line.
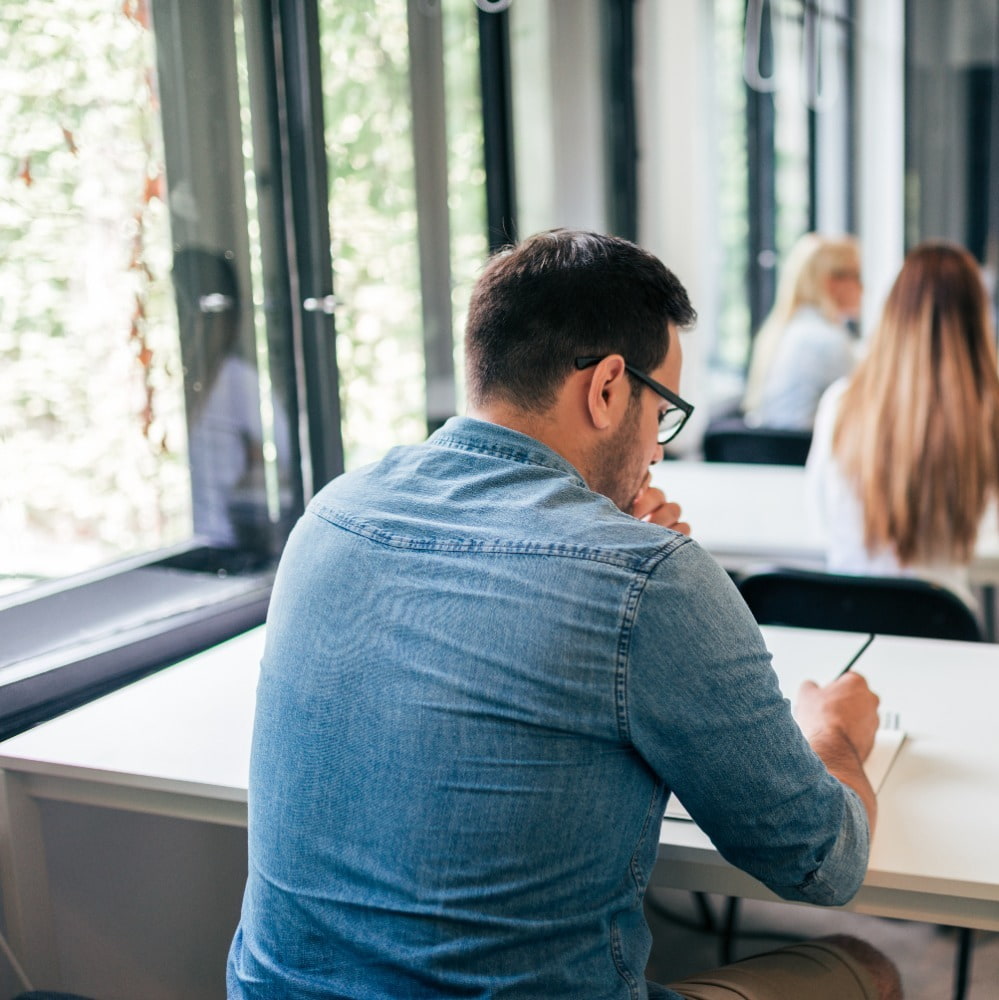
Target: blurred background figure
(804,345)
(222,395)
(905,452)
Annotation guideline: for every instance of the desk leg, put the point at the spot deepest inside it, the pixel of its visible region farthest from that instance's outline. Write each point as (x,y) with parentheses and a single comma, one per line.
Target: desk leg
(25,885)
(962,962)
(989,611)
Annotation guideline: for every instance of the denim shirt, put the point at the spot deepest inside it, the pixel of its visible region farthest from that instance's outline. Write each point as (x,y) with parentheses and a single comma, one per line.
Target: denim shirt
(480,684)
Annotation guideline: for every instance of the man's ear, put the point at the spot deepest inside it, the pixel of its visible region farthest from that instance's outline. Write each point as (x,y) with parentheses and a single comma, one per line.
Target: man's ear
(609,392)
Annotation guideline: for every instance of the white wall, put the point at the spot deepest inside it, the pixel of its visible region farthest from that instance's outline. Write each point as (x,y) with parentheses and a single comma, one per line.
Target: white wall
(880,149)
(152,912)
(677,180)
(558,115)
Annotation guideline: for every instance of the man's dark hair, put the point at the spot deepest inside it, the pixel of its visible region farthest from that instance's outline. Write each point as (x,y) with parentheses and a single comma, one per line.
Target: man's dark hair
(561,295)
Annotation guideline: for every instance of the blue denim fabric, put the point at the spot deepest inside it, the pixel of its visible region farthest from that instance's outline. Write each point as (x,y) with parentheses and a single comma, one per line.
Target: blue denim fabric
(481,681)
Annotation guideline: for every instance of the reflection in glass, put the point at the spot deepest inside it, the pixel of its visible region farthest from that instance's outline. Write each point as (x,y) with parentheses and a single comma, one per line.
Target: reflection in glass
(222,393)
(131,409)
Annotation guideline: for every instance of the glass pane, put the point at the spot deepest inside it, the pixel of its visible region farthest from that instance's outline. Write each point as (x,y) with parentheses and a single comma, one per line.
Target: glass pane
(373,225)
(466,169)
(952,127)
(131,406)
(229,301)
(732,343)
(368,108)
(804,72)
(92,416)
(791,153)
(558,116)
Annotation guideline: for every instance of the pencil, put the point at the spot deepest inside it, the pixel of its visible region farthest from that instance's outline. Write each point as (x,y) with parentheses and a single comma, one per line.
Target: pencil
(856,656)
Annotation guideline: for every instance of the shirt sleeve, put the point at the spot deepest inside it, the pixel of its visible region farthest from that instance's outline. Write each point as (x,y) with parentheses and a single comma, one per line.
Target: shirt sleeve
(707,714)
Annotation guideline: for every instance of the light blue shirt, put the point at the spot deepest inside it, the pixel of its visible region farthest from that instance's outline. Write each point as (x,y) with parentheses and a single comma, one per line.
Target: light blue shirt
(813,352)
(481,682)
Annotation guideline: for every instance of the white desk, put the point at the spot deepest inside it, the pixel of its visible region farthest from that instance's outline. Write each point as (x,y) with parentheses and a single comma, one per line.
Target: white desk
(177,745)
(934,856)
(745,514)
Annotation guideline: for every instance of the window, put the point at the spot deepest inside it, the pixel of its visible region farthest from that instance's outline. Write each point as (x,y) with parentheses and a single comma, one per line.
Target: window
(559,151)
(400,88)
(142,407)
(239,238)
(93,416)
(952,126)
(784,88)
(175,387)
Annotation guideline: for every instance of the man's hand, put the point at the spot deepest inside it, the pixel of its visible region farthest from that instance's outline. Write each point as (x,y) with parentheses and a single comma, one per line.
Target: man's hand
(840,722)
(650,504)
(847,705)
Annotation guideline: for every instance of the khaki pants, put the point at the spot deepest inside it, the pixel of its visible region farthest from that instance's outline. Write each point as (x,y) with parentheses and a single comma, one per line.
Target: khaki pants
(815,970)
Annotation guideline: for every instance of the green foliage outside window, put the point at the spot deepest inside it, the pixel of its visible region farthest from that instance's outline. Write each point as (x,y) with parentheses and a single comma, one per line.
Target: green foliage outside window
(373,218)
(91,413)
(92,426)
(373,224)
(732,344)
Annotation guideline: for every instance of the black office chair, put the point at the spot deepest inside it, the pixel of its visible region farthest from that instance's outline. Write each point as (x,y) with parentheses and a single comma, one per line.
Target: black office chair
(888,605)
(48,995)
(730,439)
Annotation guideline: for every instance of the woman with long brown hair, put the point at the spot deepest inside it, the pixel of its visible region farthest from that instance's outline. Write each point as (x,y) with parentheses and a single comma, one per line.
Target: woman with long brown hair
(905,454)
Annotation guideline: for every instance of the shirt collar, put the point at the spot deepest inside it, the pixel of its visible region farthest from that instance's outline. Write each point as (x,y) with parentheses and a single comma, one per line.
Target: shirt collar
(485,437)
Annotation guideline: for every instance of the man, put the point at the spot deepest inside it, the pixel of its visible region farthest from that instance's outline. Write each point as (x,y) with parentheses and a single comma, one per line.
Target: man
(488,665)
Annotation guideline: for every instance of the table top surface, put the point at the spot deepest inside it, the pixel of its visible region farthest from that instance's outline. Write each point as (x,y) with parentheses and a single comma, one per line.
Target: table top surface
(938,809)
(189,725)
(186,730)
(742,513)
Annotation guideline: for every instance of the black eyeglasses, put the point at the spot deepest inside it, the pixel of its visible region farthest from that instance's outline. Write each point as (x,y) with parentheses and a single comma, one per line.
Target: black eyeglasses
(671,422)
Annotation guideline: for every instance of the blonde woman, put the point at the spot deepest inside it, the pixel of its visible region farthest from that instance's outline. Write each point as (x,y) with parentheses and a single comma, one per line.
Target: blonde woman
(804,344)
(905,453)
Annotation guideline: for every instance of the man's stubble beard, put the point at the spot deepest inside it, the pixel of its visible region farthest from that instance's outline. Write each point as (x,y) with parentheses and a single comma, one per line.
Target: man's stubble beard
(611,474)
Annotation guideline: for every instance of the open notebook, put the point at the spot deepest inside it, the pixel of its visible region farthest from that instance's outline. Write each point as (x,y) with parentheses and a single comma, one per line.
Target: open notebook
(887,743)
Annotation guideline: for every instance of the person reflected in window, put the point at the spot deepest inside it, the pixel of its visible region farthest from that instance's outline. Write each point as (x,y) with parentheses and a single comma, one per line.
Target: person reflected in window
(221,385)
(805,343)
(905,453)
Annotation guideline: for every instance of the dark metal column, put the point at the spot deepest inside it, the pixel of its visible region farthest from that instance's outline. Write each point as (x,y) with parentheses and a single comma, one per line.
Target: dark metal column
(426,84)
(762,260)
(762,257)
(300,112)
(621,149)
(497,124)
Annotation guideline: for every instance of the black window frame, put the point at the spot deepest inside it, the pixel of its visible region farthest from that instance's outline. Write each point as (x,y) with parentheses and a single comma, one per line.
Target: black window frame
(70,640)
(761,275)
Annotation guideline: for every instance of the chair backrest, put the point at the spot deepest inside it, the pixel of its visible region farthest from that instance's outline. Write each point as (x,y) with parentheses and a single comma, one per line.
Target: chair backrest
(731,440)
(888,605)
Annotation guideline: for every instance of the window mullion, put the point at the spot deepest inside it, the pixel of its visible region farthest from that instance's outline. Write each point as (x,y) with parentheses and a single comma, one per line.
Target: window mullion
(426,81)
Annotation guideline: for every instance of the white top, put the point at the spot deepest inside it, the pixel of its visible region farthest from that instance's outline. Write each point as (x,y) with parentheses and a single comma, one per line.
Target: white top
(225,440)
(837,514)
(812,353)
